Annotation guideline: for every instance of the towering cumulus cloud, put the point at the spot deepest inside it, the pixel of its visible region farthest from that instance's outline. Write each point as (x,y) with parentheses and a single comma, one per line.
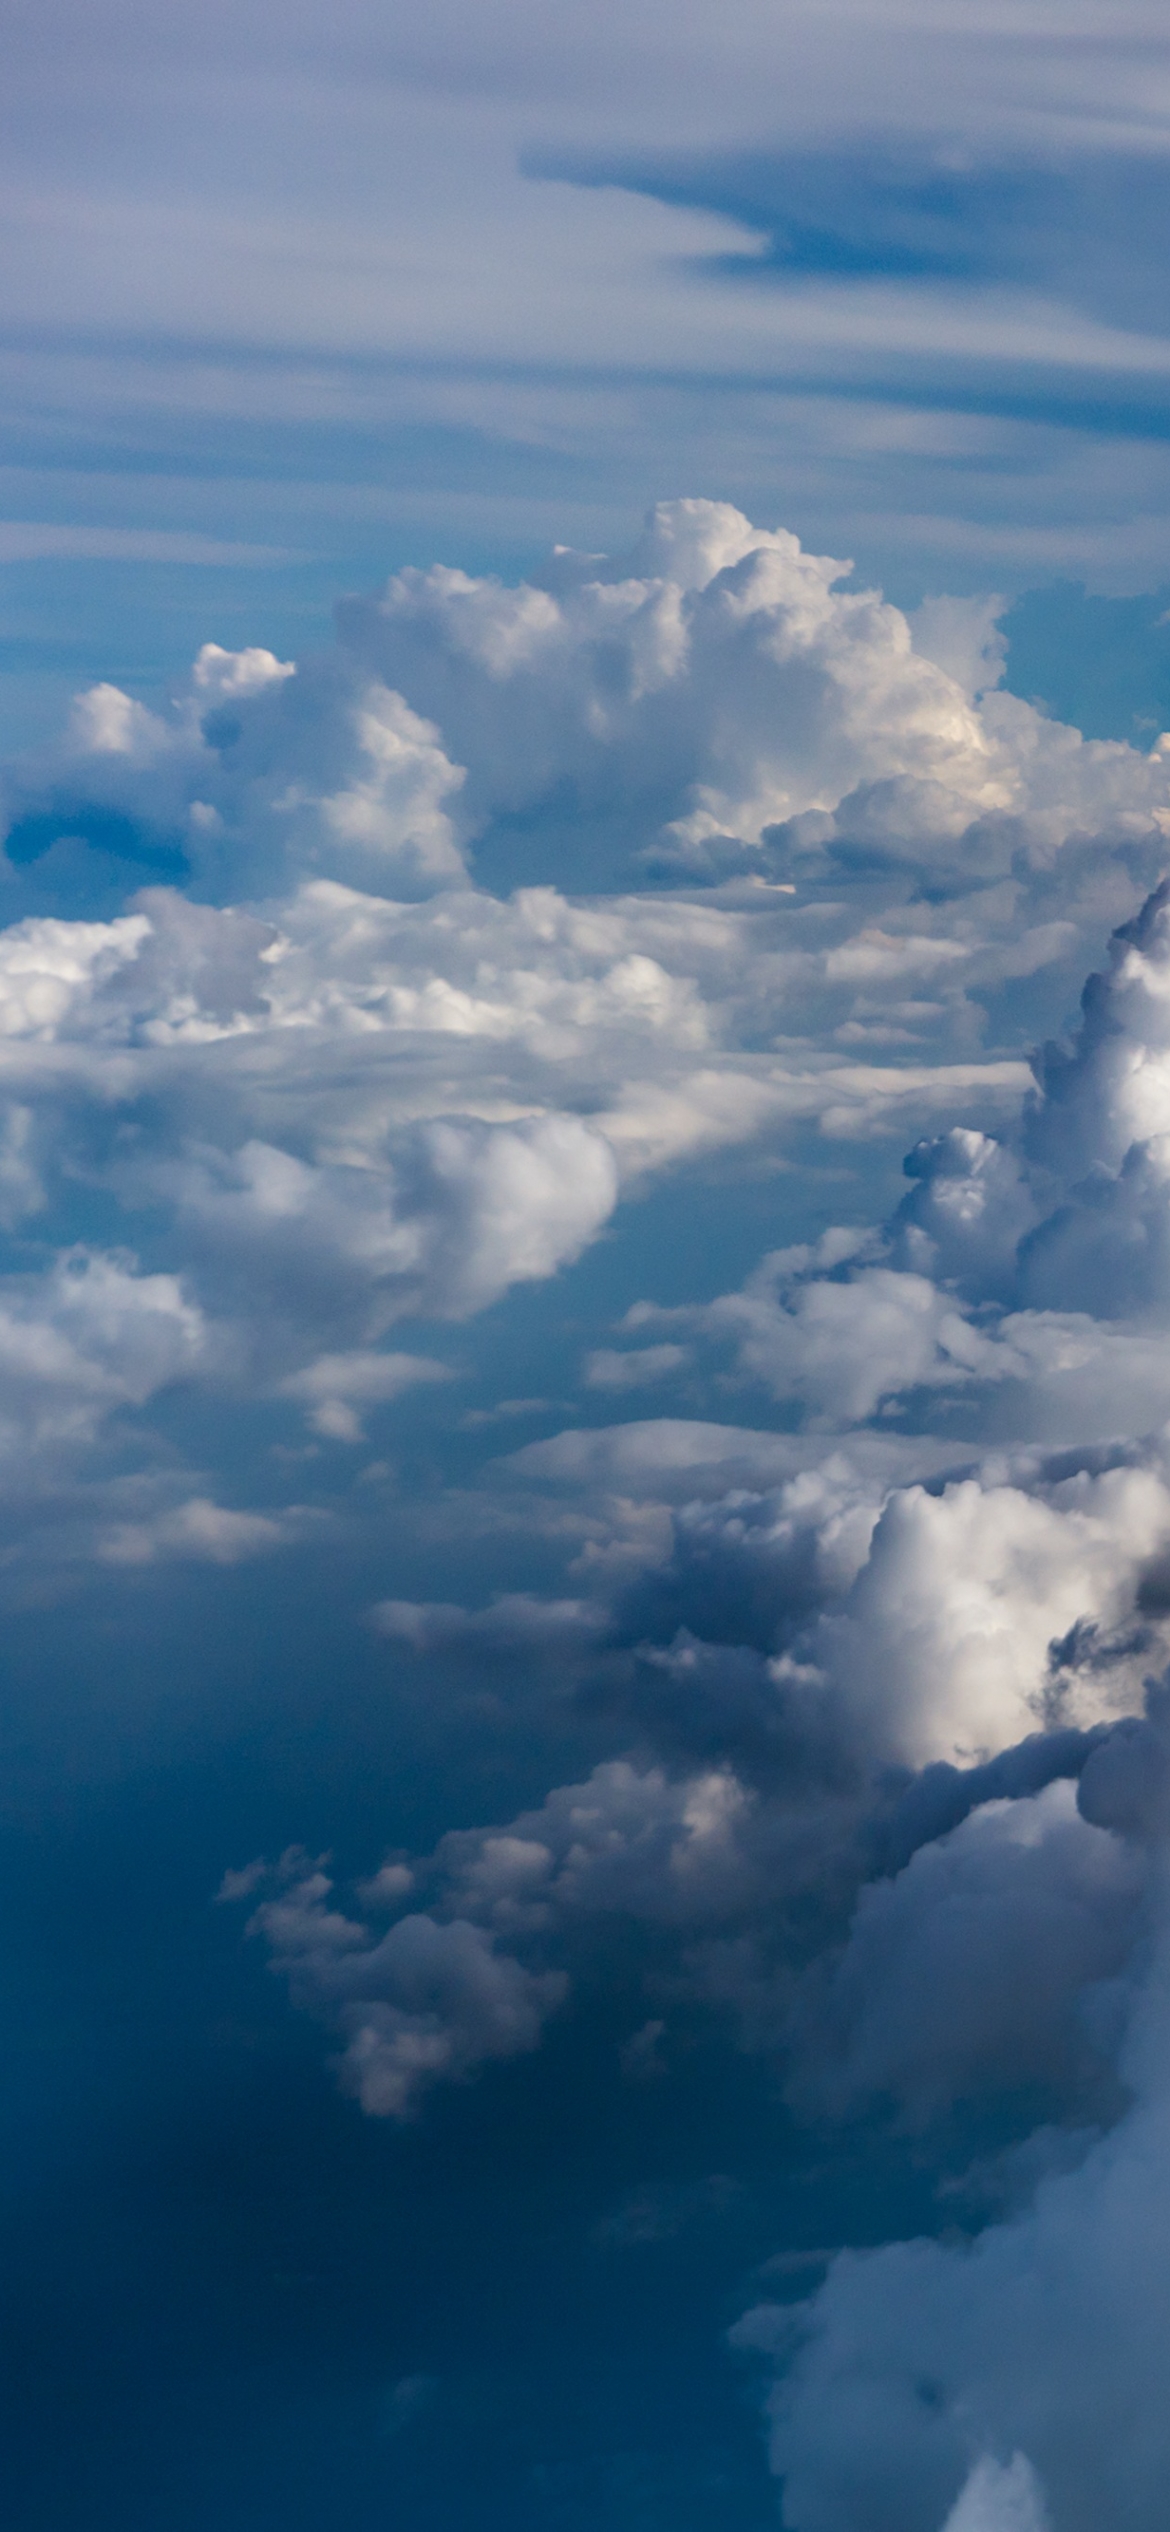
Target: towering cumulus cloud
(632,922)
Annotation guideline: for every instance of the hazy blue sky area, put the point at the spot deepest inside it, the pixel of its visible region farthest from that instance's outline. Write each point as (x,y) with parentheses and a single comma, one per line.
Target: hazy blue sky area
(585,1266)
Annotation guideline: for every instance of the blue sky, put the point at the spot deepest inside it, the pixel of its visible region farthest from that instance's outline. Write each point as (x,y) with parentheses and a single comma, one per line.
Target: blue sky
(585,1267)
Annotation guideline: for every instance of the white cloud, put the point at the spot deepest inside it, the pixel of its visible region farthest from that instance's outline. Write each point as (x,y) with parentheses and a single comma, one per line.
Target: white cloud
(89,1337)
(1067,1219)
(1046,2335)
(999,2499)
(198,1531)
(336,1385)
(52,973)
(637,1368)
(220,674)
(715,684)
(710,698)
(969,1970)
(942,1647)
(513,1622)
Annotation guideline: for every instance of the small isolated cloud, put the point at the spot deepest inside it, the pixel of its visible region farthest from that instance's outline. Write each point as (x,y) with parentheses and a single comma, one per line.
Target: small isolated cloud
(637,1369)
(515,1622)
(337,1385)
(240,1885)
(999,2499)
(407,2400)
(198,1532)
(430,2001)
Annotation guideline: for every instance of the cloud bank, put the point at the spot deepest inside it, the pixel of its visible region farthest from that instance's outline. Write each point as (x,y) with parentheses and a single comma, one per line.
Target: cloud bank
(416,976)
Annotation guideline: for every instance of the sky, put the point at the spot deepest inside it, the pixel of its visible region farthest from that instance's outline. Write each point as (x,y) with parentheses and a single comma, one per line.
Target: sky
(585,1296)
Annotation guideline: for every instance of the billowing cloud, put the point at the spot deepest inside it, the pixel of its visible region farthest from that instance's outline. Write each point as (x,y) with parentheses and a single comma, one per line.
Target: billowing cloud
(91,1336)
(716,690)
(429,2000)
(968,1971)
(1045,2335)
(339,1108)
(711,700)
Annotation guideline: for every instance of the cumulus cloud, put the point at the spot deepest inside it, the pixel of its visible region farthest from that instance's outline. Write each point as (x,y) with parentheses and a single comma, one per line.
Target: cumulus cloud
(336,1385)
(945,1638)
(1023,1279)
(1043,2337)
(512,1622)
(970,1969)
(517,1913)
(262,767)
(713,698)
(456,1213)
(362,1106)
(827,1651)
(715,691)
(431,2000)
(929,1618)
(344,1105)
(1048,2332)
(197,1531)
(910,1941)
(91,1336)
